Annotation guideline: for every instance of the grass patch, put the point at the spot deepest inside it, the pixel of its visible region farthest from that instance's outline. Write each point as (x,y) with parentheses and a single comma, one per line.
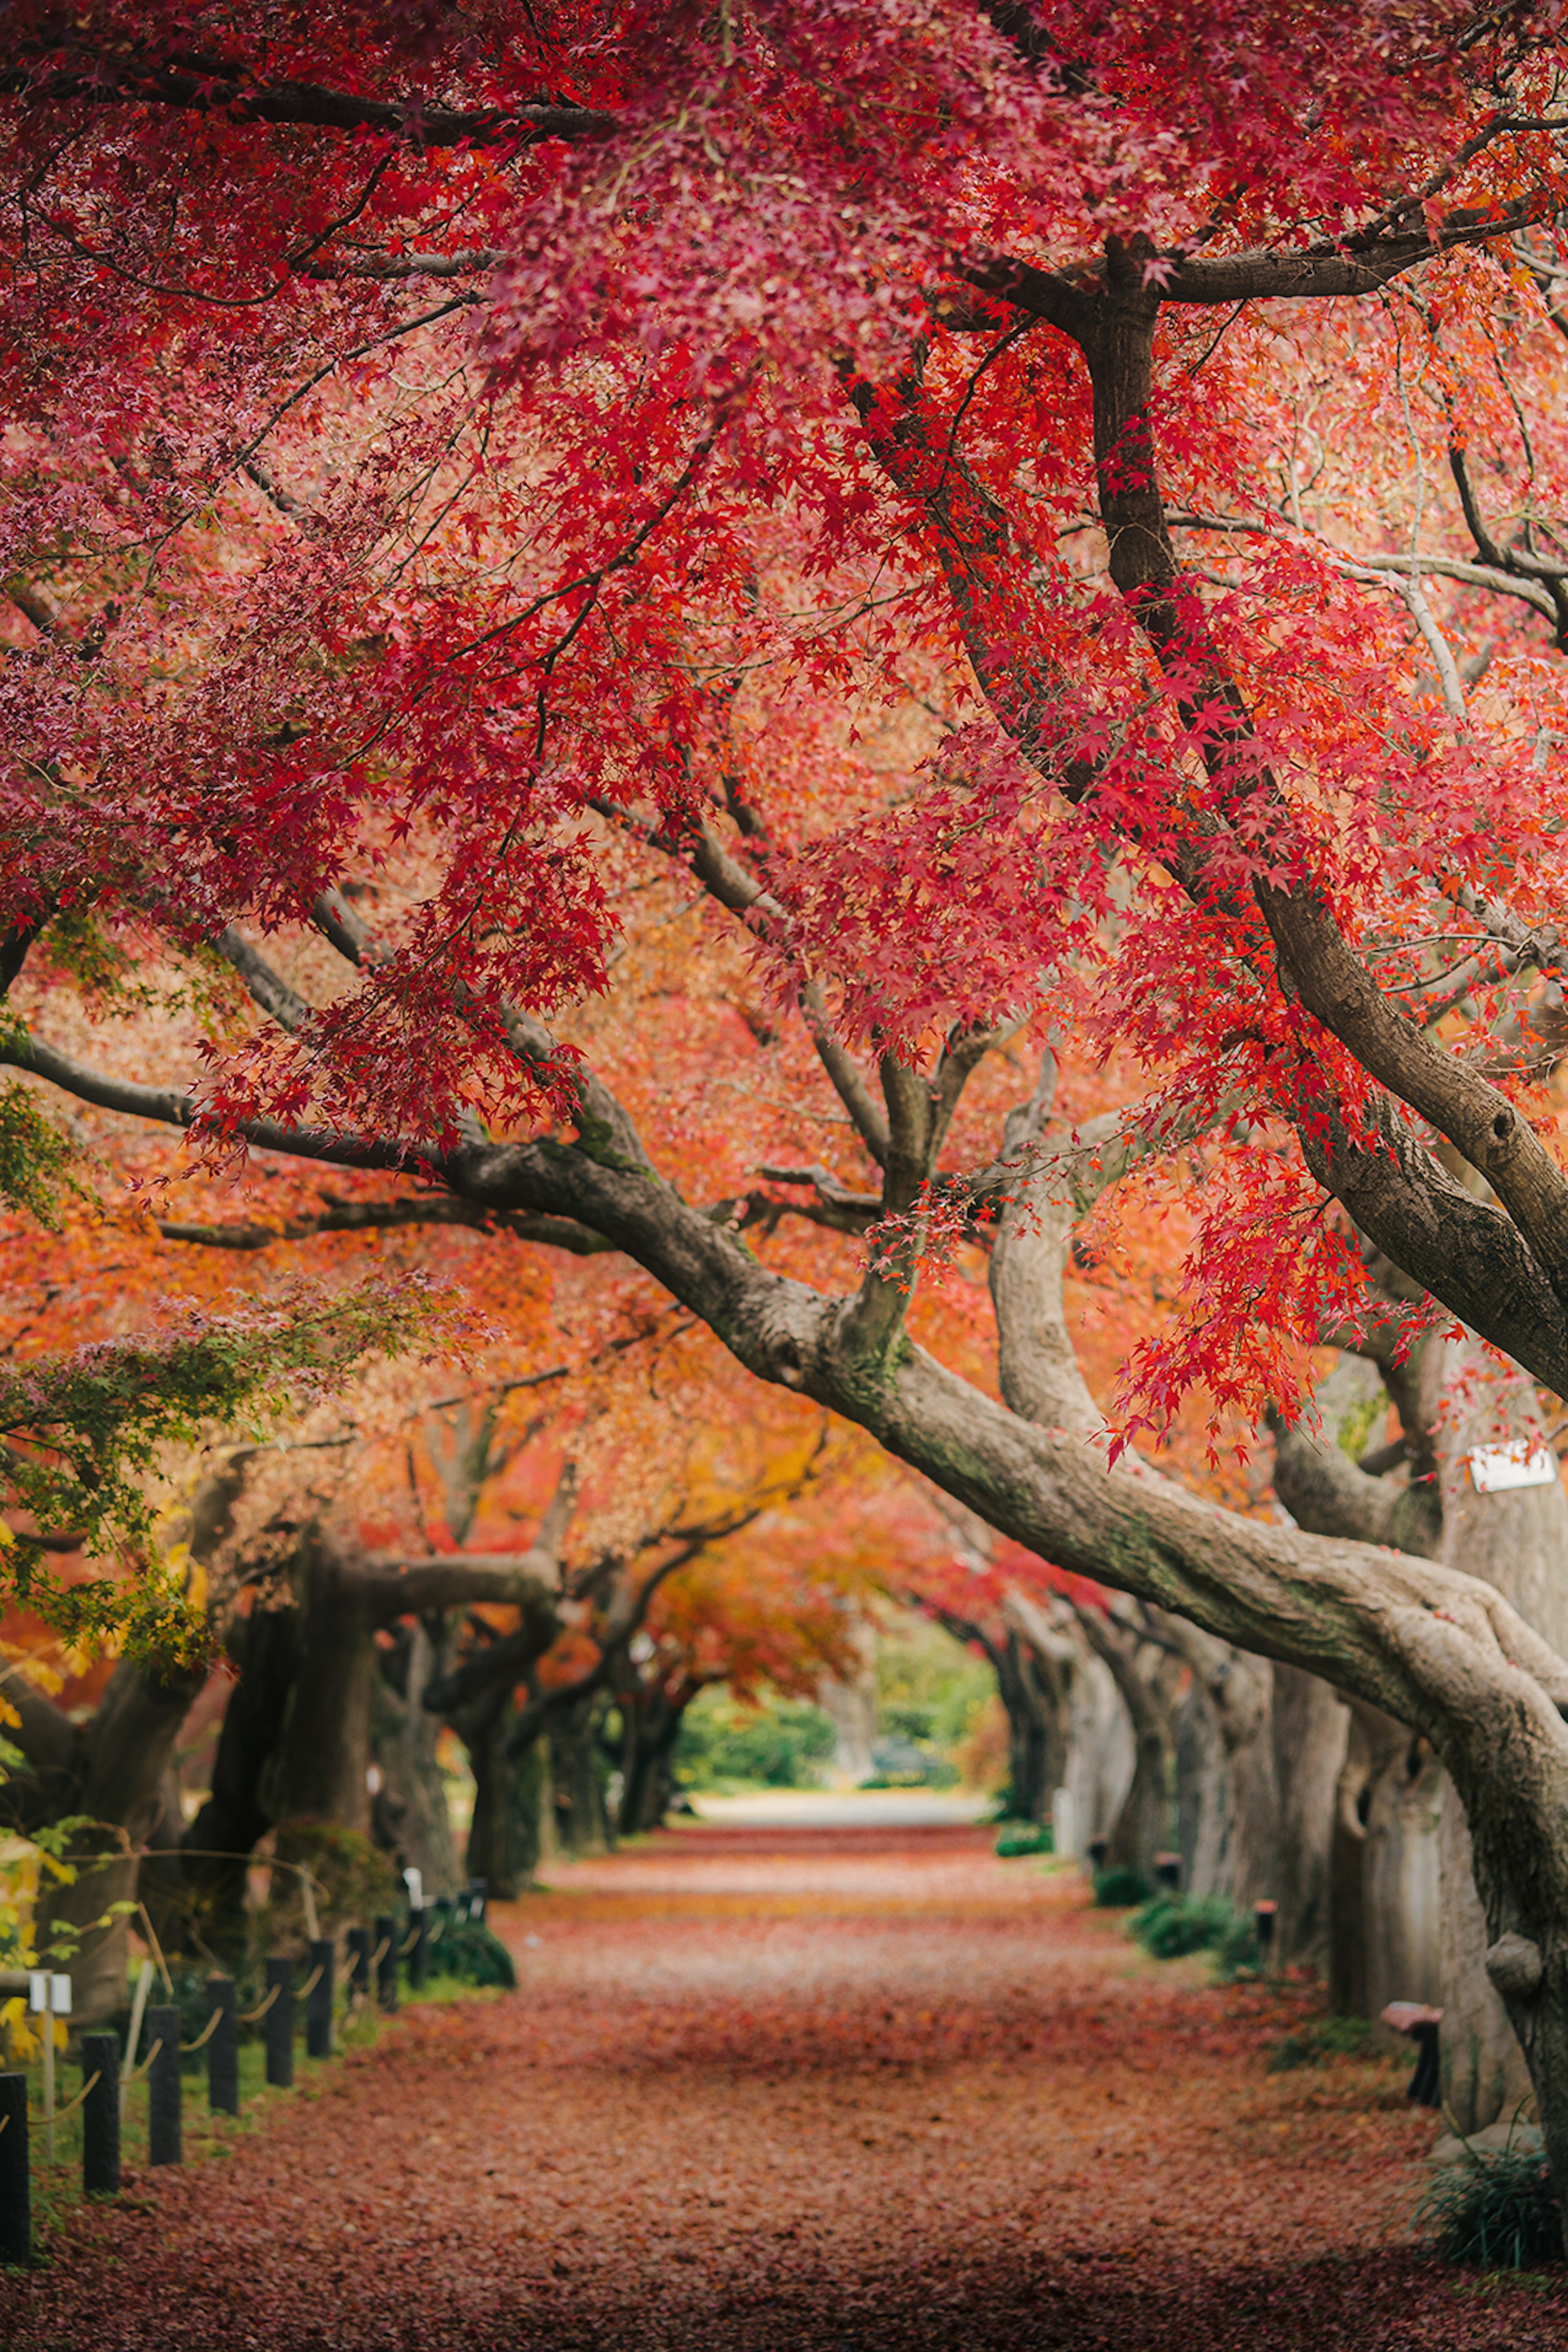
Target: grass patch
(1121,1890)
(1495,2211)
(1024,1837)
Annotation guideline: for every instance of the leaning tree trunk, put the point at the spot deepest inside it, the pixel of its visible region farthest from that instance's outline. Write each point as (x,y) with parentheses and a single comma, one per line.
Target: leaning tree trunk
(1519,1541)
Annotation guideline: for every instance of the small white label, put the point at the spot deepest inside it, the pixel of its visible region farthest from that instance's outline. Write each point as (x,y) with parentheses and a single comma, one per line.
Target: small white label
(60,1996)
(37,1991)
(1496,1468)
(416,1885)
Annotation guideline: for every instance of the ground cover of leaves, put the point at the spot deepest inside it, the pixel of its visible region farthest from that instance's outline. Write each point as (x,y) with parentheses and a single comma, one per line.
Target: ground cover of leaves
(865,2090)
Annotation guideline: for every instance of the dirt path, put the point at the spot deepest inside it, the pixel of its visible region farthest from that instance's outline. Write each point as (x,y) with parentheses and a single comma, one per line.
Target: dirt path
(800,2091)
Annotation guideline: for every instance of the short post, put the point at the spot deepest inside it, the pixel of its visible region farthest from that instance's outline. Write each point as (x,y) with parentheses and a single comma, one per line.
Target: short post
(279,2024)
(418,1939)
(1264,1916)
(100,2115)
(385,1955)
(163,2086)
(319,2000)
(223,2049)
(1426,2083)
(358,1942)
(476,1898)
(1168,1870)
(15,2189)
(1420,2023)
(48,1997)
(1096,1850)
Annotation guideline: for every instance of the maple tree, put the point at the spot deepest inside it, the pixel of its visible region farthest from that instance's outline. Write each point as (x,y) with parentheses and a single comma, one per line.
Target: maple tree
(463,471)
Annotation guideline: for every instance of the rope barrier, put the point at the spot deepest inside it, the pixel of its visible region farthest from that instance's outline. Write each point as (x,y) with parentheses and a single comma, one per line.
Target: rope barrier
(61,2113)
(407,1944)
(249,2016)
(204,2035)
(313,1981)
(146,2063)
(381,1952)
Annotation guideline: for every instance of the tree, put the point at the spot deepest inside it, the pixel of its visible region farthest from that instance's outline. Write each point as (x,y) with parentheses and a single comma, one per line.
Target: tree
(730,277)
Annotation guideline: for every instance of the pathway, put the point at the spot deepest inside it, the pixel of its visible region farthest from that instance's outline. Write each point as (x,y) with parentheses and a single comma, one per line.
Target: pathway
(858,2088)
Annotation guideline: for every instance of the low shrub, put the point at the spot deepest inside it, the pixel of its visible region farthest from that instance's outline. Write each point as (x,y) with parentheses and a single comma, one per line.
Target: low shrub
(1024,1837)
(1318,2040)
(1172,1926)
(1118,1890)
(1495,2210)
(1236,1952)
(468,1950)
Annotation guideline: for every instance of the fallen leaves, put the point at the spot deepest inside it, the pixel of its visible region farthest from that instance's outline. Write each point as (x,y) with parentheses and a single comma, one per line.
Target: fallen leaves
(799,2091)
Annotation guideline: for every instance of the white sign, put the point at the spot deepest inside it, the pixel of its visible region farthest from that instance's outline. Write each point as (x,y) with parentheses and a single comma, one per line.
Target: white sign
(1494,1469)
(37,1991)
(48,1992)
(60,1989)
(416,1885)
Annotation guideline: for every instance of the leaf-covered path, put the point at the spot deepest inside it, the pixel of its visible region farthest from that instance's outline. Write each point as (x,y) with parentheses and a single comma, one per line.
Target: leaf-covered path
(865,2090)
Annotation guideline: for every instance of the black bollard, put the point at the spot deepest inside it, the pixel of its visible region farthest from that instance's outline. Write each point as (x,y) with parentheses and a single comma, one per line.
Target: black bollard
(386,1965)
(419,1957)
(100,2115)
(1096,1850)
(358,1942)
(223,2049)
(1426,2083)
(279,2024)
(1264,1916)
(475,1897)
(16,2191)
(163,2086)
(319,2000)
(1168,1870)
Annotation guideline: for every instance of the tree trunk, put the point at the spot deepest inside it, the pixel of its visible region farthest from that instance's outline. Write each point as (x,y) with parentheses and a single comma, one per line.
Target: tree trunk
(509,1797)
(577,1779)
(240,1809)
(126,1753)
(1311,1730)
(411,1815)
(1143,1826)
(324,1753)
(1519,1541)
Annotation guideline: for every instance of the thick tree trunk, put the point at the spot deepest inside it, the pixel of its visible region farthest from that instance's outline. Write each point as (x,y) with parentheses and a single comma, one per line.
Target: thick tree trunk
(1310,1727)
(1145,1822)
(240,1808)
(411,1815)
(577,1779)
(1518,1540)
(1100,1751)
(126,1753)
(510,1795)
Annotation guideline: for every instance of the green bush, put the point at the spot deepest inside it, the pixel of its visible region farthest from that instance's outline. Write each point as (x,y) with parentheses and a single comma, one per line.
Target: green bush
(1024,1837)
(1118,1890)
(780,1742)
(1236,1952)
(1172,1926)
(468,1950)
(1495,2211)
(1323,2038)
